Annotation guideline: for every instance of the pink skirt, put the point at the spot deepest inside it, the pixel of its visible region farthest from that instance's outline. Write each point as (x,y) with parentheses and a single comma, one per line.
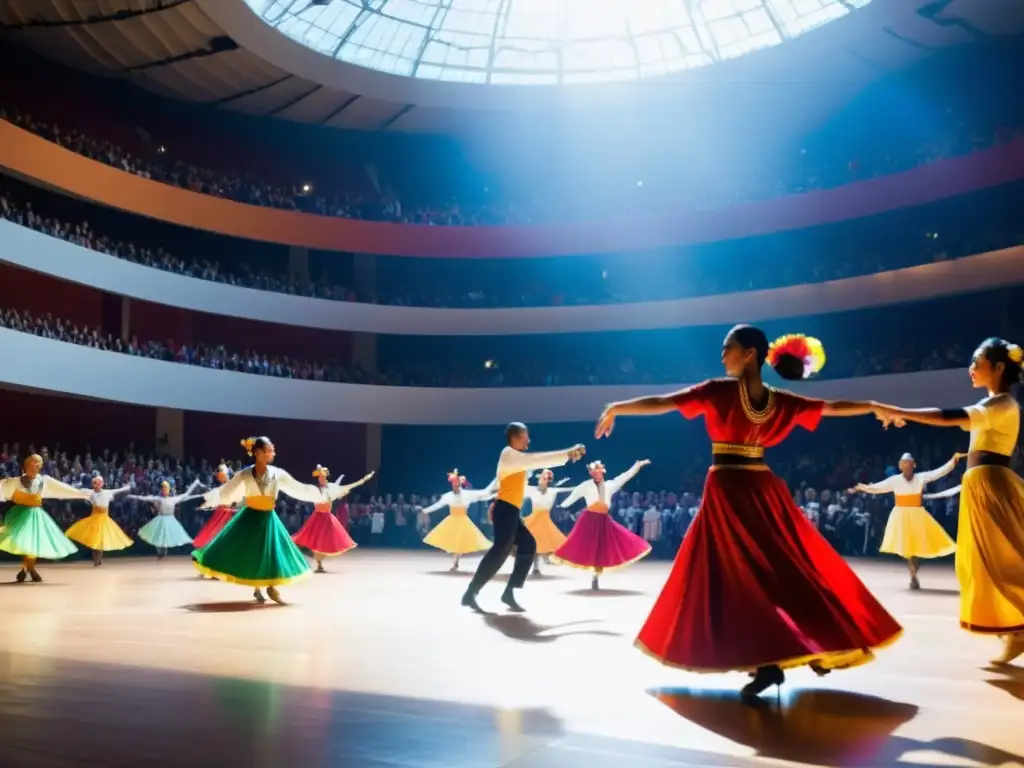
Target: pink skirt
(221,516)
(598,542)
(324,535)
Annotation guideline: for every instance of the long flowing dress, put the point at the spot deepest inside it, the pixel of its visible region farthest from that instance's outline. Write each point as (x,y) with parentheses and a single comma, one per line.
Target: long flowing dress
(323,533)
(255,549)
(28,531)
(539,522)
(98,531)
(990,539)
(910,530)
(457,534)
(165,531)
(754,584)
(597,541)
(220,517)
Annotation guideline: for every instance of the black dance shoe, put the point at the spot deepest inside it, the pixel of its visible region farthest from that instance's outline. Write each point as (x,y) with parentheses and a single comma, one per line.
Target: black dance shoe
(509,599)
(764,679)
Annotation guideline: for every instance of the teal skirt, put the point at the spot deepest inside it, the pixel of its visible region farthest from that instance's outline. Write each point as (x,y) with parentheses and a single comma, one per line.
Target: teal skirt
(31,532)
(254,549)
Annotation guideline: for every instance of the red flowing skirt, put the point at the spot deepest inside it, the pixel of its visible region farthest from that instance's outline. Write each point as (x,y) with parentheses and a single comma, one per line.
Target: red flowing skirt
(754,584)
(597,541)
(323,534)
(221,516)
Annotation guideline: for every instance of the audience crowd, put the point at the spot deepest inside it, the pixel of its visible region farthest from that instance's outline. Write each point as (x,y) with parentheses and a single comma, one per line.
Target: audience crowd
(821,482)
(659,364)
(761,263)
(830,167)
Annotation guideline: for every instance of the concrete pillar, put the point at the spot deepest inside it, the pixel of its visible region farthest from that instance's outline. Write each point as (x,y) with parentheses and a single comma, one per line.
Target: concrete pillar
(126,318)
(364,275)
(170,432)
(374,438)
(298,264)
(364,351)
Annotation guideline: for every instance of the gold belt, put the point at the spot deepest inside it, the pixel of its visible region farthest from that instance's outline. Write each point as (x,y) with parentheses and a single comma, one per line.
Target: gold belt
(260,503)
(100,511)
(738,449)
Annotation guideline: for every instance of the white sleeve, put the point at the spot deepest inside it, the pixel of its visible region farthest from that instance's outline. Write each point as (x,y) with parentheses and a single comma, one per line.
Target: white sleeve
(484,494)
(301,491)
(512,461)
(152,499)
(122,489)
(232,492)
(942,494)
(339,491)
(444,501)
(577,493)
(617,482)
(55,489)
(882,486)
(935,474)
(7,488)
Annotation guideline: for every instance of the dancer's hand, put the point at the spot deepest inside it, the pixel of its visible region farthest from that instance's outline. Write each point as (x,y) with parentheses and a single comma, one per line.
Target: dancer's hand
(643,463)
(606,423)
(957,456)
(490,514)
(889,417)
(577,452)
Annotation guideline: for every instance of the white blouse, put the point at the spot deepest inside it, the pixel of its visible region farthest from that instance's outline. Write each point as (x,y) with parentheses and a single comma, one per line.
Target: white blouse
(461,499)
(899,485)
(273,482)
(44,486)
(103,498)
(592,493)
(544,499)
(165,504)
(331,492)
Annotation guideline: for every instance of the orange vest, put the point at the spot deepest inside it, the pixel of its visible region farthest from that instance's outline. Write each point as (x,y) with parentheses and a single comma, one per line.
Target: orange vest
(908,500)
(512,489)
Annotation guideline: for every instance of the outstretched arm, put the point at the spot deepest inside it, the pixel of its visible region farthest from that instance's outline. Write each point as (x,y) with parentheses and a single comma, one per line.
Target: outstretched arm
(616,483)
(932,417)
(512,461)
(341,491)
(55,489)
(302,491)
(444,501)
(849,408)
(934,474)
(578,493)
(882,486)
(942,494)
(690,402)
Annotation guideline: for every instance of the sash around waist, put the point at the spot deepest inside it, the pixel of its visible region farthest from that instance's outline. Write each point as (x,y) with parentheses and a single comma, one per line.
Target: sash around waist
(24,499)
(908,499)
(987,459)
(260,503)
(598,507)
(457,511)
(100,511)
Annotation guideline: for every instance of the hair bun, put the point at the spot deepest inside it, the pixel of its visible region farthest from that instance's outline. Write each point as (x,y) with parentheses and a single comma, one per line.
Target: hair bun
(796,356)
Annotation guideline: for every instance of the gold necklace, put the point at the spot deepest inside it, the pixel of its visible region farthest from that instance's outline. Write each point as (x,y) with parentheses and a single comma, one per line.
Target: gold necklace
(753,415)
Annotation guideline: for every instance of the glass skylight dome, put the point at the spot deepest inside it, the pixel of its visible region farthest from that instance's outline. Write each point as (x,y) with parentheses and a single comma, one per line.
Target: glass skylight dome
(543,42)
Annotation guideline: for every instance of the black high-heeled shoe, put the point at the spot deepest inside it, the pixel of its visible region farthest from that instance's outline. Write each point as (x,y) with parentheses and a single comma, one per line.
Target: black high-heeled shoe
(764,678)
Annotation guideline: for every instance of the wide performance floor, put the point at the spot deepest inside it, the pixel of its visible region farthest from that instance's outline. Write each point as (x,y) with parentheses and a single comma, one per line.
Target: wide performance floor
(140,663)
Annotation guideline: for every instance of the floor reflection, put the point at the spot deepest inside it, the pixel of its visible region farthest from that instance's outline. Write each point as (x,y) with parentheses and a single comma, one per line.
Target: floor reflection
(822,727)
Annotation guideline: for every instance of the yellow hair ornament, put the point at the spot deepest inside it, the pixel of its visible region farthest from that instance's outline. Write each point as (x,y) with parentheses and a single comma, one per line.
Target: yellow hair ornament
(248,443)
(321,471)
(1015,353)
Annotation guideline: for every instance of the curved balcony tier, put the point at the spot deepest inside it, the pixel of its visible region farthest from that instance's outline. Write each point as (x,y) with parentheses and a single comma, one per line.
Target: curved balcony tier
(53,366)
(33,158)
(51,256)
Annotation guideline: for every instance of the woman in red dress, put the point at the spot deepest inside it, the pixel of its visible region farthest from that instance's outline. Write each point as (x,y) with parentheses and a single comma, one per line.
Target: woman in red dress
(220,517)
(322,534)
(754,586)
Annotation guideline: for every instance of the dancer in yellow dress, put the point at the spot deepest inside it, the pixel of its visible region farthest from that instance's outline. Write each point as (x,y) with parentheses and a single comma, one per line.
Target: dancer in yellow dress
(990,539)
(911,532)
(98,531)
(543,498)
(457,534)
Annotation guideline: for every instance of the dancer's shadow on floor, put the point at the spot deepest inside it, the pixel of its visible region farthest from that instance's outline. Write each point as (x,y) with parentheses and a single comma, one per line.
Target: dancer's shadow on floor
(501,577)
(518,627)
(821,727)
(938,591)
(604,592)
(233,606)
(1011,680)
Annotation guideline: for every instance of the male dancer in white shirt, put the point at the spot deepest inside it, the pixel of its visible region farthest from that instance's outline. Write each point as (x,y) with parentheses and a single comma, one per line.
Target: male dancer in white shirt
(514,466)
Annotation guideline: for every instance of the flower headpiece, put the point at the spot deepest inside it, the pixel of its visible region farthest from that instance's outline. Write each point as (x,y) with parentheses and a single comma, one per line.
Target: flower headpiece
(164,484)
(1015,353)
(321,471)
(222,470)
(806,349)
(454,477)
(547,474)
(248,444)
(595,466)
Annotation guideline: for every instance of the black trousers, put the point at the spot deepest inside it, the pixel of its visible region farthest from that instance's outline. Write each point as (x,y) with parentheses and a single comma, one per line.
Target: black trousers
(509,532)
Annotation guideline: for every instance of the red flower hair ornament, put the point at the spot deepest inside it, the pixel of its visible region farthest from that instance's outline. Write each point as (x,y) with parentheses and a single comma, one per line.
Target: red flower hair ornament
(796,356)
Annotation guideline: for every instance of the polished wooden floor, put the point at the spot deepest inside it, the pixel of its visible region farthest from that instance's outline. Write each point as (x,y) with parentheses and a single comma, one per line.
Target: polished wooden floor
(139,663)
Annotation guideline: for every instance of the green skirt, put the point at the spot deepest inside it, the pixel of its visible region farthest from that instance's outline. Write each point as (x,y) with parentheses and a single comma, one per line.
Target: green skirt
(253,549)
(31,532)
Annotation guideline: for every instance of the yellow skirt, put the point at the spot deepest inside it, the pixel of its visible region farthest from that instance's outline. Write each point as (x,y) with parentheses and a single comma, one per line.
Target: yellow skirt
(98,531)
(912,532)
(544,531)
(990,551)
(457,535)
